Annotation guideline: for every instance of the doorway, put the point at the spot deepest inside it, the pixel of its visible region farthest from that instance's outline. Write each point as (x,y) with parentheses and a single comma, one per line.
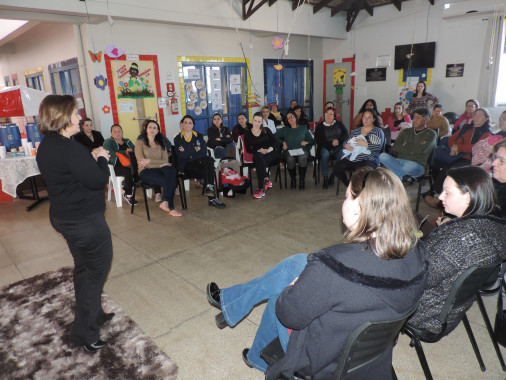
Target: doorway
(339,86)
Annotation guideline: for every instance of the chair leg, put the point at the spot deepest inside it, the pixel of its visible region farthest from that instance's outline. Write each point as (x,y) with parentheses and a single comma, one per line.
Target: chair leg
(484,314)
(182,193)
(278,174)
(286,183)
(146,203)
(473,343)
(419,195)
(250,181)
(421,357)
(338,183)
(133,200)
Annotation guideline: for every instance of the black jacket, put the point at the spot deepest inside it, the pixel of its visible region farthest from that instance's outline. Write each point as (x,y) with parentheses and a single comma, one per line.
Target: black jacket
(75,181)
(342,287)
(87,142)
(222,133)
(325,134)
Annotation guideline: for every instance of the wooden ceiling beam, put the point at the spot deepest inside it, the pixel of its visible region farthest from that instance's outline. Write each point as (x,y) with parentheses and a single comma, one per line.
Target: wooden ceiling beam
(397,4)
(320,5)
(296,3)
(344,5)
(252,7)
(271,2)
(431,2)
(367,7)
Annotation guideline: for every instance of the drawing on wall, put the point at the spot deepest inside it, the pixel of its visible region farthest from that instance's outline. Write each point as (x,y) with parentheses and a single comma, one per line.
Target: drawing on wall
(95,57)
(138,83)
(114,52)
(408,81)
(100,82)
(339,80)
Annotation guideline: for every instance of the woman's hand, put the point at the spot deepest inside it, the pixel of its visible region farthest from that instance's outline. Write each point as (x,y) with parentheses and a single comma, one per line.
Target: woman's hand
(285,147)
(129,150)
(218,139)
(143,163)
(294,281)
(361,142)
(335,142)
(263,151)
(166,164)
(442,219)
(304,143)
(100,152)
(454,150)
(181,149)
(348,147)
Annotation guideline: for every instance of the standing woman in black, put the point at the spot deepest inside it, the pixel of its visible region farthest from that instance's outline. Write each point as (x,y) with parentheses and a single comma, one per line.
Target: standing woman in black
(75,181)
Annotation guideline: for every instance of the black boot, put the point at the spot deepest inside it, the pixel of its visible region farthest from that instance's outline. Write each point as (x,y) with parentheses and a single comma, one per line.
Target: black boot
(331,180)
(325,182)
(302,178)
(293,178)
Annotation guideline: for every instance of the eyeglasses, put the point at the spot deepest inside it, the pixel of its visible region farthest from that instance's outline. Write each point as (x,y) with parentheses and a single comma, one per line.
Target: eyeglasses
(290,117)
(494,156)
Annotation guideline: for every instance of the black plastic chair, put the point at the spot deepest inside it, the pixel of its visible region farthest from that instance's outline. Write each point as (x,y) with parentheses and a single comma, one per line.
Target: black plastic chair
(465,288)
(138,183)
(427,175)
(451,116)
(363,346)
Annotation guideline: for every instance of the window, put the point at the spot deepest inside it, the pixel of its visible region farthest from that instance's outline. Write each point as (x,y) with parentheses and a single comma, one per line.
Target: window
(293,81)
(500,96)
(214,87)
(15,80)
(35,80)
(7,80)
(65,78)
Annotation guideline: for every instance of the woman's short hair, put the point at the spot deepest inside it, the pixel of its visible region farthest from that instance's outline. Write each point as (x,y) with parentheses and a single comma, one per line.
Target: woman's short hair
(499,145)
(440,106)
(476,103)
(478,183)
(55,113)
(189,117)
(485,112)
(117,125)
(386,222)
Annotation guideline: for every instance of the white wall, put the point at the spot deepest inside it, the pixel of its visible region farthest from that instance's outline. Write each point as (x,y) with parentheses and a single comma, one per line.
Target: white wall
(170,41)
(457,41)
(43,45)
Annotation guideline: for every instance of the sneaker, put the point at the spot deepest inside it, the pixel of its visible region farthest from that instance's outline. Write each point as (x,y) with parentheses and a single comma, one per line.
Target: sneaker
(209,190)
(129,199)
(215,202)
(259,193)
(267,183)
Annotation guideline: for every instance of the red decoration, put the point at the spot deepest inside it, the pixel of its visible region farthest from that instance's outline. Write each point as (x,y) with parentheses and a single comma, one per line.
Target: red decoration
(106,109)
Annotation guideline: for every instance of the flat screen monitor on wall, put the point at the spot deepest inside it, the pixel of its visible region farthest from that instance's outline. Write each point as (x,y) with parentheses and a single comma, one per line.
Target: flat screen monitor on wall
(423,56)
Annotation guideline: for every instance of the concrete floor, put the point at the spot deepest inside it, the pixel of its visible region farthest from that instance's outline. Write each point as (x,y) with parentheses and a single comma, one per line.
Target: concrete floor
(160,270)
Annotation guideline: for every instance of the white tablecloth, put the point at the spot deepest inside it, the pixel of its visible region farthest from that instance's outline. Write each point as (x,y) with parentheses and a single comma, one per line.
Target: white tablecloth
(14,170)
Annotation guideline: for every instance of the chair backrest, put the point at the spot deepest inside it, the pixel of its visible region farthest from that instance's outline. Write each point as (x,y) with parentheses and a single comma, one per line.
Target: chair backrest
(465,288)
(451,116)
(246,158)
(367,343)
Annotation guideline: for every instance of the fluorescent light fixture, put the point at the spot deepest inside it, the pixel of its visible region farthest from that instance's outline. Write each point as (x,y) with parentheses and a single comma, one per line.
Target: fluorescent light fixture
(9,26)
(446,6)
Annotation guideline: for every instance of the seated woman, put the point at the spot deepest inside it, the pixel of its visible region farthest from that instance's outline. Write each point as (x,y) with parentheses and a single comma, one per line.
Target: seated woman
(461,145)
(421,98)
(467,117)
(275,115)
(439,122)
(398,120)
(329,136)
(295,137)
(241,127)
(154,168)
(369,104)
(301,116)
(193,161)
(220,139)
(260,142)
(376,274)
(502,125)
(117,144)
(168,148)
(90,138)
(330,105)
(266,121)
(499,173)
(361,149)
(474,238)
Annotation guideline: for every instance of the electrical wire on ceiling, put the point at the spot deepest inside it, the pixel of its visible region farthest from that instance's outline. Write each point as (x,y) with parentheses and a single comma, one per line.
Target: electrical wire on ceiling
(89,25)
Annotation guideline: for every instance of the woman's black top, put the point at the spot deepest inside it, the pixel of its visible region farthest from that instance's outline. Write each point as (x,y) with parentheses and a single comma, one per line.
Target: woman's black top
(325,134)
(222,133)
(75,181)
(263,141)
(98,139)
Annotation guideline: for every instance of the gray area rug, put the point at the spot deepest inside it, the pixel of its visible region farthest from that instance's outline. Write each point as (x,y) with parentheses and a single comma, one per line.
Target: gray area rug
(36,316)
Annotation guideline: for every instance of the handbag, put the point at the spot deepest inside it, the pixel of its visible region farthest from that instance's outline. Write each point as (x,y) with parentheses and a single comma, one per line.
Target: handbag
(123,159)
(500,317)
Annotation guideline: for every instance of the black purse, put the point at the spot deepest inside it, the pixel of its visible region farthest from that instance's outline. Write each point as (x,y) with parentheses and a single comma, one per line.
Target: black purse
(500,317)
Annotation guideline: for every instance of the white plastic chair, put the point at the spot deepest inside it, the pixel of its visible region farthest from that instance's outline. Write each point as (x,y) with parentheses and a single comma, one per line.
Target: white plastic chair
(115,184)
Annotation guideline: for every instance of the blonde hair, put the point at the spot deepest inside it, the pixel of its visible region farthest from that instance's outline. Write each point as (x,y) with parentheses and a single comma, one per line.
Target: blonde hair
(386,222)
(55,113)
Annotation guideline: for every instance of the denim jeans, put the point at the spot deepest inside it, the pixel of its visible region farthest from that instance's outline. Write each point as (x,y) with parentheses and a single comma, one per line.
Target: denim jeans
(238,300)
(164,177)
(224,151)
(325,156)
(401,167)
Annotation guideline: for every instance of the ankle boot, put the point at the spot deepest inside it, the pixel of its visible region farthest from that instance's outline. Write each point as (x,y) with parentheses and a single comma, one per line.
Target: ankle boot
(302,178)
(293,178)
(325,182)
(331,180)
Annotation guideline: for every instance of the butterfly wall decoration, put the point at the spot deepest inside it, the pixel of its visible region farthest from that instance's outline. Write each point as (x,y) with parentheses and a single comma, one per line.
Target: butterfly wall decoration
(95,57)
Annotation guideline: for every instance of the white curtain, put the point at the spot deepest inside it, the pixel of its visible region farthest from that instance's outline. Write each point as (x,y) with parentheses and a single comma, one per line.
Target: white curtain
(490,70)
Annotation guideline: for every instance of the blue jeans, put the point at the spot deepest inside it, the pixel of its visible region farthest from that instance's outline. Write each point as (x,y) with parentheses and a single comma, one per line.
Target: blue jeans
(224,151)
(325,156)
(401,167)
(164,177)
(238,300)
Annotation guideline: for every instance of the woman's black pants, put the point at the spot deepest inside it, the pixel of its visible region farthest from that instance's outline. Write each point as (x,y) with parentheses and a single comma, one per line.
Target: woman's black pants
(89,241)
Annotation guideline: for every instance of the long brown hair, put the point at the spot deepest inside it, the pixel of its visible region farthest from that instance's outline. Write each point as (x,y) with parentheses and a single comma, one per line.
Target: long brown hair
(386,222)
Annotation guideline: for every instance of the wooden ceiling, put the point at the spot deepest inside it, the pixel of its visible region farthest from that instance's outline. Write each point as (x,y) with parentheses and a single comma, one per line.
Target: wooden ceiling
(350,7)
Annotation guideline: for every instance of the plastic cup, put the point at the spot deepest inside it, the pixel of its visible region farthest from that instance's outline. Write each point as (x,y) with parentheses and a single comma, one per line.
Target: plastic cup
(3,152)
(14,152)
(34,152)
